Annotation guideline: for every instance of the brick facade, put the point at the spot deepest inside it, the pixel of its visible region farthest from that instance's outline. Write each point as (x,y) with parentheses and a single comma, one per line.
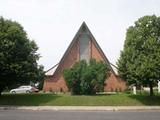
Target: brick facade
(56,81)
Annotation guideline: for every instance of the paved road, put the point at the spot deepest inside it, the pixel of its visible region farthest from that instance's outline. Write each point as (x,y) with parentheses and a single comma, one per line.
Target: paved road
(77,115)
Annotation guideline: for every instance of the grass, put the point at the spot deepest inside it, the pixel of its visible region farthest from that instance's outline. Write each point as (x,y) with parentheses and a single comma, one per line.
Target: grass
(68,100)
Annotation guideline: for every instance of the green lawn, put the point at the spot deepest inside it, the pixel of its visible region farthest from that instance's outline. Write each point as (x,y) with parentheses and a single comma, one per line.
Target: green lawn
(68,100)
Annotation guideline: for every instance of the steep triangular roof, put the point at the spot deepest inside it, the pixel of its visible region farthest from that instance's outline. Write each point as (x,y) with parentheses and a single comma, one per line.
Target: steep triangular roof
(51,71)
(82,28)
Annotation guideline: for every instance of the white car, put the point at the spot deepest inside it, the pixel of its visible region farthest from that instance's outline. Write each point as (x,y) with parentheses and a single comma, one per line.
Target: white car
(24,89)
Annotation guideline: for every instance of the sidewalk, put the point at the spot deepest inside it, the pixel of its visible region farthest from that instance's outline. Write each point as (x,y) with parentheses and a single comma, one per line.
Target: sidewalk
(84,108)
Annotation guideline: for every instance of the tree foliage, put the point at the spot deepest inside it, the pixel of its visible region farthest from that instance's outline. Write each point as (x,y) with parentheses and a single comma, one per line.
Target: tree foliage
(18,56)
(140,59)
(86,78)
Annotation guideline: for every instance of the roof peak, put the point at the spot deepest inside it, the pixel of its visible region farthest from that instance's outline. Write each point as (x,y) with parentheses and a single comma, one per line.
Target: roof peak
(84,24)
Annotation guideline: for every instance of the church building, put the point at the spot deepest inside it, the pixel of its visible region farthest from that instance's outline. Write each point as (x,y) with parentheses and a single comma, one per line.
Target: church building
(83,47)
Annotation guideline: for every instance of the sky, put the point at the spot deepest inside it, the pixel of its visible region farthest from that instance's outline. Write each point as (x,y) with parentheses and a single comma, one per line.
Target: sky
(52,24)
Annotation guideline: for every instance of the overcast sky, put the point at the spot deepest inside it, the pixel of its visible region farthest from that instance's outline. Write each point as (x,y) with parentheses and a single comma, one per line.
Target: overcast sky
(53,23)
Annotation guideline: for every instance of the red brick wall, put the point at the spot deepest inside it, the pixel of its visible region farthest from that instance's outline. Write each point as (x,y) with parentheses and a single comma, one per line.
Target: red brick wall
(95,53)
(57,83)
(114,83)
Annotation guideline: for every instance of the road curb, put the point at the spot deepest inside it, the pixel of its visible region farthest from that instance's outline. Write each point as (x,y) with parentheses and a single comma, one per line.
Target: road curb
(83,108)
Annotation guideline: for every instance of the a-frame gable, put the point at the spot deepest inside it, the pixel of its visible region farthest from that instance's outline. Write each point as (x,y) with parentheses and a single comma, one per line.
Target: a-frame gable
(84,28)
(83,46)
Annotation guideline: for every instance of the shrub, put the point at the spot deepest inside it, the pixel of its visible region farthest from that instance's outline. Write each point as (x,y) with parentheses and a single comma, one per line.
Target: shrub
(86,78)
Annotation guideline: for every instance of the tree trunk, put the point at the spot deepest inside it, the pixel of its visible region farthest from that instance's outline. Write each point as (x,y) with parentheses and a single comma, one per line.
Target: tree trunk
(140,89)
(0,91)
(151,88)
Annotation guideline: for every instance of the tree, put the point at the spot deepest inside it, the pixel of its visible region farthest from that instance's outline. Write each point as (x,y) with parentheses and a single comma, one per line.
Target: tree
(18,56)
(139,61)
(85,78)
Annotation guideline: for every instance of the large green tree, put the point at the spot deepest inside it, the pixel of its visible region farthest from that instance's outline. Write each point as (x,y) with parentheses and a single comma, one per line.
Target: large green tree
(139,62)
(18,56)
(86,78)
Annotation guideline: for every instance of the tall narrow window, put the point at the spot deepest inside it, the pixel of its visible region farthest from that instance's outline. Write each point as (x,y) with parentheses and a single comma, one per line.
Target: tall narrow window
(84,47)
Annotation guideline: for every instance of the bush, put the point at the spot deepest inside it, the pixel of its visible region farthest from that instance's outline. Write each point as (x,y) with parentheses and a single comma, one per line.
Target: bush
(86,78)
